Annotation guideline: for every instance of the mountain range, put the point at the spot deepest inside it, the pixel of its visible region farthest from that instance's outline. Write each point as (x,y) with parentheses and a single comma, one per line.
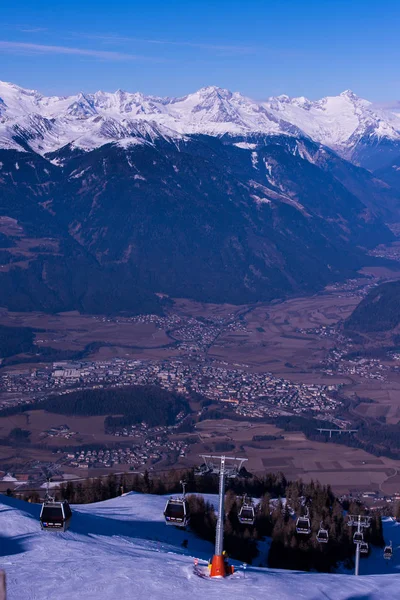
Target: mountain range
(109,201)
(355,128)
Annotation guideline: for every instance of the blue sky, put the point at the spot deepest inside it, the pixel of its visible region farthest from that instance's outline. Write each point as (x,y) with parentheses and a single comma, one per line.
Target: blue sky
(171,47)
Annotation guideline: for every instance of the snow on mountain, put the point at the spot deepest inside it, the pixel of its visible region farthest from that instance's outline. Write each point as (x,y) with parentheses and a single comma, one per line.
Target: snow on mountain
(88,121)
(391,111)
(122,549)
(337,121)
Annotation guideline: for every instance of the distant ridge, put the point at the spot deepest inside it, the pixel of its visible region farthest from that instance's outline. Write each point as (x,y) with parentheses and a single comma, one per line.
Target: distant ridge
(353,127)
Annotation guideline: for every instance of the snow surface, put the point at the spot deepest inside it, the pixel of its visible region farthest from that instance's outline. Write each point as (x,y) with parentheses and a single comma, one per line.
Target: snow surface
(337,121)
(122,549)
(88,121)
(91,120)
(9,477)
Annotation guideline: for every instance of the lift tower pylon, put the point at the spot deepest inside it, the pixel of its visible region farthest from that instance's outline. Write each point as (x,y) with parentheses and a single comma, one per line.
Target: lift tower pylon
(226,466)
(361,522)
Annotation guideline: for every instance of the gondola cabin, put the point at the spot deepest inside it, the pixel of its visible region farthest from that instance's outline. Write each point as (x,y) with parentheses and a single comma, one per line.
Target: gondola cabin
(303,526)
(364,548)
(358,537)
(177,512)
(388,552)
(323,536)
(55,516)
(246,515)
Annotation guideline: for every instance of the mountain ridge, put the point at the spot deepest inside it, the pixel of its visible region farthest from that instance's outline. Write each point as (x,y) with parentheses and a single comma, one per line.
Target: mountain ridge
(227,203)
(353,127)
(194,218)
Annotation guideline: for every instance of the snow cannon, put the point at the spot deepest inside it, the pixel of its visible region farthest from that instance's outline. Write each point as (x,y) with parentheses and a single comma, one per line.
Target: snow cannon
(220,566)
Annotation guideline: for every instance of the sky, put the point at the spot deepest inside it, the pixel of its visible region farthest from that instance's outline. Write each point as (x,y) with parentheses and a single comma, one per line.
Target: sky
(173,47)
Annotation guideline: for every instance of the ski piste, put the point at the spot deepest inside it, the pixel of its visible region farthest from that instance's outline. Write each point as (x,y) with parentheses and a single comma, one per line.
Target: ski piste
(201,571)
(204,573)
(121,548)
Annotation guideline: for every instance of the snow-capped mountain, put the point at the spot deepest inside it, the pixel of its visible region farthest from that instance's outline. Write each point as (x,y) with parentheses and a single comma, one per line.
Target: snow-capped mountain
(211,196)
(346,123)
(121,548)
(353,127)
(91,120)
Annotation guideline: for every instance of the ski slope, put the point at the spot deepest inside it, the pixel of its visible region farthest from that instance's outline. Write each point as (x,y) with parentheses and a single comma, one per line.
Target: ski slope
(121,549)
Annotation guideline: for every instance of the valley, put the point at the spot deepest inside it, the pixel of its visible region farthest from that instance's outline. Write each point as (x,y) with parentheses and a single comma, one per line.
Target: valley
(199,301)
(209,247)
(253,363)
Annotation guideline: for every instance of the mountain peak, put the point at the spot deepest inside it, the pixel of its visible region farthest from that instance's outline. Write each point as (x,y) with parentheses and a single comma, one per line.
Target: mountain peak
(350,95)
(14,89)
(213,90)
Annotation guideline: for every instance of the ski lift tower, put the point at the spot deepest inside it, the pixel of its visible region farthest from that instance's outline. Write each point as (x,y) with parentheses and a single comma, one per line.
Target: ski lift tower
(361,522)
(225,466)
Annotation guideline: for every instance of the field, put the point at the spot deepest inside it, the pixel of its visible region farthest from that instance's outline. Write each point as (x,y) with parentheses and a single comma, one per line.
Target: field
(89,430)
(346,469)
(272,342)
(286,339)
(72,331)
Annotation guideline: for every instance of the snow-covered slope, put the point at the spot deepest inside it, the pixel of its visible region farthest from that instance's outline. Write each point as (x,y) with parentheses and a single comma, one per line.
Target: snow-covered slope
(339,122)
(90,120)
(334,120)
(122,549)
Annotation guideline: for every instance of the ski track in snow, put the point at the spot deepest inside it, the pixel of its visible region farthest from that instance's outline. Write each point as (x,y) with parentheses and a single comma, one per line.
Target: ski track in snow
(121,549)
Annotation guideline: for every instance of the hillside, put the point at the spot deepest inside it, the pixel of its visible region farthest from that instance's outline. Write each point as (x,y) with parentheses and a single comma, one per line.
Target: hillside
(121,548)
(391,173)
(14,340)
(202,219)
(378,311)
(211,196)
